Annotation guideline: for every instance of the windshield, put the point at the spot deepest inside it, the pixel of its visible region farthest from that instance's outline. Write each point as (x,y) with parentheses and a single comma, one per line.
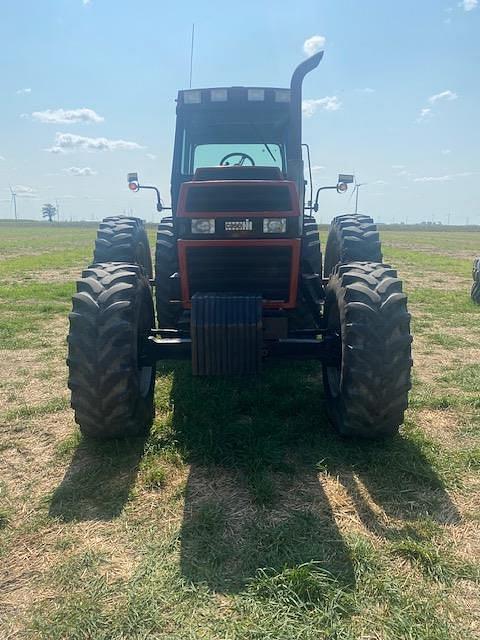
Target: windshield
(237,153)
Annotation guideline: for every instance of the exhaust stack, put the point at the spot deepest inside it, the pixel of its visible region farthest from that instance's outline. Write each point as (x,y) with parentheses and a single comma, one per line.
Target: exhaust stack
(294,147)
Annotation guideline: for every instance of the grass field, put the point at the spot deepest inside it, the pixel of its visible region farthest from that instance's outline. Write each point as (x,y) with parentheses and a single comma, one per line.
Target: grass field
(242,516)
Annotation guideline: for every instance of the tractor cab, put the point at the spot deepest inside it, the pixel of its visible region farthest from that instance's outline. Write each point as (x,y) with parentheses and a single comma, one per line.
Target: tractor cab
(230,129)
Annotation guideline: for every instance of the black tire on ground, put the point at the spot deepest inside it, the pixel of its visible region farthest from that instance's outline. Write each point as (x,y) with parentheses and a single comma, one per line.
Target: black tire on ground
(476,281)
(112,395)
(365,306)
(123,239)
(311,262)
(166,264)
(311,251)
(352,237)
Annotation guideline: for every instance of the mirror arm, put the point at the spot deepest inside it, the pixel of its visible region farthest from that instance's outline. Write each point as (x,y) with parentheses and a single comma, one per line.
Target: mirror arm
(315,206)
(160,206)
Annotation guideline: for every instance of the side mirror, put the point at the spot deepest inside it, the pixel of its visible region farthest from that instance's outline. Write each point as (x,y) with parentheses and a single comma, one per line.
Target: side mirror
(134,185)
(341,187)
(133,181)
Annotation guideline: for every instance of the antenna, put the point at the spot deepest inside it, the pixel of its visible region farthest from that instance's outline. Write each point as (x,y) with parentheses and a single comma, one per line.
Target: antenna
(13,201)
(191,54)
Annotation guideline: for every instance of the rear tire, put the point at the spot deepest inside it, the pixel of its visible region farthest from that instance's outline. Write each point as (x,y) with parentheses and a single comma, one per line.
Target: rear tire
(476,281)
(310,263)
(352,237)
(365,307)
(123,239)
(168,314)
(112,395)
(311,251)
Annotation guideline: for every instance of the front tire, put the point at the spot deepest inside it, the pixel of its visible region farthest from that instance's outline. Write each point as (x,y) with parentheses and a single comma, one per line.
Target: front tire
(366,311)
(112,393)
(352,237)
(476,281)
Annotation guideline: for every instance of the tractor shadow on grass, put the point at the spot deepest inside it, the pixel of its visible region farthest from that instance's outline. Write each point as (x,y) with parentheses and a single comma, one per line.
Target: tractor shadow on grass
(98,481)
(269,479)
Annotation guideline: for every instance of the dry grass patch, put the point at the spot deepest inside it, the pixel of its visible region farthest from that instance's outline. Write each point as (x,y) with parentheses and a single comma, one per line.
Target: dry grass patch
(430,361)
(441,425)
(434,280)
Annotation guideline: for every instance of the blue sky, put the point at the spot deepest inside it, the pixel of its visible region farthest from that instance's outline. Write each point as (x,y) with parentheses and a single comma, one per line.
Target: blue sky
(87,94)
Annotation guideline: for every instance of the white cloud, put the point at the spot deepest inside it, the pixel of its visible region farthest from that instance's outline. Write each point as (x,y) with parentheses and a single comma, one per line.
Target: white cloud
(80,171)
(445,152)
(447,178)
(317,167)
(424,114)
(398,166)
(314,44)
(469,5)
(67,116)
(433,179)
(444,95)
(23,92)
(23,191)
(86,2)
(2,158)
(70,142)
(380,182)
(367,90)
(329,103)
(151,156)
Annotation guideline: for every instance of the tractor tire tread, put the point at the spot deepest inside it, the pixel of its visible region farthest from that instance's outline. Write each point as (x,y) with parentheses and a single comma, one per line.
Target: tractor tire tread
(102,349)
(168,314)
(118,239)
(352,238)
(375,329)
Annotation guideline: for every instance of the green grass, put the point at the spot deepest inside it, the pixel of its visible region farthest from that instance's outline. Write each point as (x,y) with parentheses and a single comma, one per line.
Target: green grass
(30,411)
(241,516)
(27,308)
(465,377)
(448,341)
(419,261)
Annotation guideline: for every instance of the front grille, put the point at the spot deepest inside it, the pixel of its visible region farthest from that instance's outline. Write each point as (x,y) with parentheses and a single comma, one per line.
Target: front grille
(238,198)
(264,271)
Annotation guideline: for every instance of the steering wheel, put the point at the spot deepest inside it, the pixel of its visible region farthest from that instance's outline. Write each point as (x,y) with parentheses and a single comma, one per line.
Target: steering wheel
(243,157)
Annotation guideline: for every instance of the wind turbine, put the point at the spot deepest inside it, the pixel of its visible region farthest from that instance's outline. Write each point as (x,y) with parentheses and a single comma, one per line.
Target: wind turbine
(13,201)
(355,191)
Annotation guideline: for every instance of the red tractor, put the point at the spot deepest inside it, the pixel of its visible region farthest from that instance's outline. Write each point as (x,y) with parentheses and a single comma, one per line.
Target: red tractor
(239,277)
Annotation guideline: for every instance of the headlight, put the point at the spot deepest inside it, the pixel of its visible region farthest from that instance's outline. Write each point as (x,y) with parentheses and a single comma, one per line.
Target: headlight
(274,225)
(203,225)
